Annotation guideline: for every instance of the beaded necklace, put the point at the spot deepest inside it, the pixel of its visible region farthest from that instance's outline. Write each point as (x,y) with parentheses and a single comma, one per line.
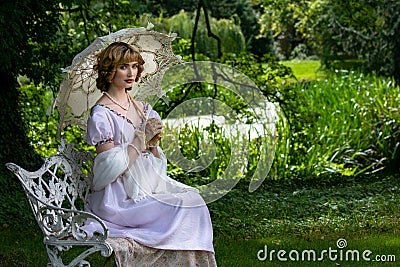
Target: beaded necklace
(117,103)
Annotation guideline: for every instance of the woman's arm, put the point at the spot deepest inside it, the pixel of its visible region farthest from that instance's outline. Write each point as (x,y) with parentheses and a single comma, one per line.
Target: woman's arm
(154,151)
(104,147)
(134,149)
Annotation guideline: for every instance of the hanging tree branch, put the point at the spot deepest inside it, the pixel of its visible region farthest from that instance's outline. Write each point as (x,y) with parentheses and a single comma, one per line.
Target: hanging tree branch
(203,6)
(352,30)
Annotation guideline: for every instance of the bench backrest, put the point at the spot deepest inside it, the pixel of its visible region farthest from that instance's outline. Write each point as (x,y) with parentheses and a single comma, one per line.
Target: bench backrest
(62,183)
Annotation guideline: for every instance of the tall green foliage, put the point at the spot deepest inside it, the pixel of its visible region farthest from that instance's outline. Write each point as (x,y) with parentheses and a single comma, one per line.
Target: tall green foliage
(232,38)
(352,127)
(242,12)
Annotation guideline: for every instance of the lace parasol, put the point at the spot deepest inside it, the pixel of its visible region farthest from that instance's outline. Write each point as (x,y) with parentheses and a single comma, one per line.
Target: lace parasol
(78,91)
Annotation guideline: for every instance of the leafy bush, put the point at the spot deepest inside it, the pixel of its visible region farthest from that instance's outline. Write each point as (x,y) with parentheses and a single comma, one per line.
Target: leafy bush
(35,108)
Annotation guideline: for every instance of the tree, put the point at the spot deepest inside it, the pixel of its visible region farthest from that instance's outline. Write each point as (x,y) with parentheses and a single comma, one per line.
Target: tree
(282,19)
(38,38)
(45,37)
(168,8)
(23,25)
(367,30)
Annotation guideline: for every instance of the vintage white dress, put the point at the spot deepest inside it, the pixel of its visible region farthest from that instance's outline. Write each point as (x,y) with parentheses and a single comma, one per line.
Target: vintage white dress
(143,203)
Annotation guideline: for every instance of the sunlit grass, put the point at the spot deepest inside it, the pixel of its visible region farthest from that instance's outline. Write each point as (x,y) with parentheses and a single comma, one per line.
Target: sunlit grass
(306,69)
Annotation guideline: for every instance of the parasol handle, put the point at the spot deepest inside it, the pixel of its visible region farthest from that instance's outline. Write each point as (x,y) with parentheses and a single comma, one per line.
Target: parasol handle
(137,108)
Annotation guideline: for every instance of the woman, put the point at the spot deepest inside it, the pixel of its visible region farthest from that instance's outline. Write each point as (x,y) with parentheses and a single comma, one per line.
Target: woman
(131,190)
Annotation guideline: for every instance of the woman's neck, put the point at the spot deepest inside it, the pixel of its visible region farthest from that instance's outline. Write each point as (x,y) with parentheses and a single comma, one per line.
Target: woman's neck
(119,95)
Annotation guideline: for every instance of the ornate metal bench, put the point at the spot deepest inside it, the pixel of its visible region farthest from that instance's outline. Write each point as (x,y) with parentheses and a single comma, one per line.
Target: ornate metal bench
(56,193)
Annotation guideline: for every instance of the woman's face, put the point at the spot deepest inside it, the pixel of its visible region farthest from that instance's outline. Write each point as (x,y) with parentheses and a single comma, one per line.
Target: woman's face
(125,75)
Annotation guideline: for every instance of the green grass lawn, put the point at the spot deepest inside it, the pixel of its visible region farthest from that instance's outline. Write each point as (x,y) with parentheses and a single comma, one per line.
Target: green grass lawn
(306,69)
(25,248)
(281,215)
(263,252)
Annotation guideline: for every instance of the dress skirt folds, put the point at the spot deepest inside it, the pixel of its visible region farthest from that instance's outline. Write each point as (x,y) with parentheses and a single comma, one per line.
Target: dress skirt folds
(152,219)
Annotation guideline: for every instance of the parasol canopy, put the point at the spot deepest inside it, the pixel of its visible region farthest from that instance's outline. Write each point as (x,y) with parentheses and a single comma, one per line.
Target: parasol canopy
(78,91)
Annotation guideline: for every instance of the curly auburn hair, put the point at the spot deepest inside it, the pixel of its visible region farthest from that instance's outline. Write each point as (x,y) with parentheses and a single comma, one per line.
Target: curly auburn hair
(113,55)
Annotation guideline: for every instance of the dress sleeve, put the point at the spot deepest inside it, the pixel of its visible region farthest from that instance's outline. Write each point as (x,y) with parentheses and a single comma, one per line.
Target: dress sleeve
(99,128)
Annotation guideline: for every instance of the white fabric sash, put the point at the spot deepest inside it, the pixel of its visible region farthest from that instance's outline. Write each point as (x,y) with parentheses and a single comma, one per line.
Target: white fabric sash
(107,166)
(140,180)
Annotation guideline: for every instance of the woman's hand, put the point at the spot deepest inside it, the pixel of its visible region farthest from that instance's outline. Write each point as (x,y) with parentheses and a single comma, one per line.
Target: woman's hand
(154,141)
(153,130)
(139,140)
